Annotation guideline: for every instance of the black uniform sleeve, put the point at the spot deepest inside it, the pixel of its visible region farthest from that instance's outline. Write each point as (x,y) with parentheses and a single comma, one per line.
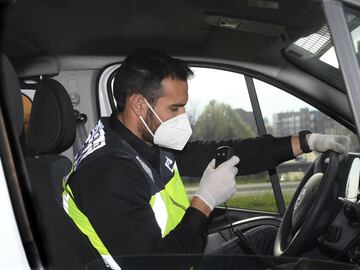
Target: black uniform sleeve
(256,154)
(117,204)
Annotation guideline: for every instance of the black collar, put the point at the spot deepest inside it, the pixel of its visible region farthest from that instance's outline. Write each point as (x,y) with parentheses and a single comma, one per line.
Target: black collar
(149,153)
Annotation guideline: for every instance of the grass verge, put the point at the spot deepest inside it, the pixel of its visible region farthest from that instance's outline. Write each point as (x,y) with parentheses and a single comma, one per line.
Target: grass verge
(263,202)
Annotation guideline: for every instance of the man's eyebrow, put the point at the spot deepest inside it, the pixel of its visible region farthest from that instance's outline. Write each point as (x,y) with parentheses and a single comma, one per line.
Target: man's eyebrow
(178,105)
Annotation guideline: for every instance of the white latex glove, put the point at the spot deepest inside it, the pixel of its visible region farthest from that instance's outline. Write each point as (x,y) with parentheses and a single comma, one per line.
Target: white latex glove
(218,185)
(323,143)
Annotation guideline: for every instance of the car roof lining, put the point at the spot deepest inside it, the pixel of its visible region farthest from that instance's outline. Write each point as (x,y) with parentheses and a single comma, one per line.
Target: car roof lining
(117,27)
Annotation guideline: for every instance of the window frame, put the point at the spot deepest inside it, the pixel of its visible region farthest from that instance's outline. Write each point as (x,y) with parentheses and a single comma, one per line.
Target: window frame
(259,120)
(345,52)
(249,75)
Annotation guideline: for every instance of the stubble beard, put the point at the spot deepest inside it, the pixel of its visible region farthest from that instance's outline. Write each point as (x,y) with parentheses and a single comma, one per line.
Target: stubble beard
(152,124)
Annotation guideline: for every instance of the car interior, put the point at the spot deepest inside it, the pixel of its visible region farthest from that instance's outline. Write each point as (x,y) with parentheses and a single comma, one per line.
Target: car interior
(62,55)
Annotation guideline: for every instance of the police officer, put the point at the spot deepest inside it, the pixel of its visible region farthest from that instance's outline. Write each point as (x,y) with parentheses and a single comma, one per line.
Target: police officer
(125,191)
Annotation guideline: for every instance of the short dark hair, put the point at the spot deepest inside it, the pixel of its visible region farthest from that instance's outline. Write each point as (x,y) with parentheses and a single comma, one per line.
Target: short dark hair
(142,73)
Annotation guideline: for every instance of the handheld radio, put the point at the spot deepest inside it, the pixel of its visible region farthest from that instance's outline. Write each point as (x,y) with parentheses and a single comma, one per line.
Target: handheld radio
(224,153)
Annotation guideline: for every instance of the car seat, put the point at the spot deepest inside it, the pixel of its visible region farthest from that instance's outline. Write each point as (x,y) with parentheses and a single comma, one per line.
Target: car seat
(52,131)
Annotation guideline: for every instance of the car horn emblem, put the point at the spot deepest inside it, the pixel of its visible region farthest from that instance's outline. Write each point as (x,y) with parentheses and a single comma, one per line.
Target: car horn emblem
(300,198)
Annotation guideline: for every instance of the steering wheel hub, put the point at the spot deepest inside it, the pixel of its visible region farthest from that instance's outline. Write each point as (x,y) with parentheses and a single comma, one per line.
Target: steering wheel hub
(305,200)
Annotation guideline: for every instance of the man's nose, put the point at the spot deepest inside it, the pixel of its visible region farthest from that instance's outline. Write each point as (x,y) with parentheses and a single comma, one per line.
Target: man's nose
(181,110)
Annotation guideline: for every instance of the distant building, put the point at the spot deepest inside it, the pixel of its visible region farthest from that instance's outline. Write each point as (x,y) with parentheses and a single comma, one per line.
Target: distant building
(333,127)
(287,123)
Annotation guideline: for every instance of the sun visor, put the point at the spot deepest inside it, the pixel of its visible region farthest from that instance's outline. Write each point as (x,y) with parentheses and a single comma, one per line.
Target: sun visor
(39,66)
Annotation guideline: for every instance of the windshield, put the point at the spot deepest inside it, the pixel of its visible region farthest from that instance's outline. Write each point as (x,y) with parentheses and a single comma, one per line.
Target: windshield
(354,30)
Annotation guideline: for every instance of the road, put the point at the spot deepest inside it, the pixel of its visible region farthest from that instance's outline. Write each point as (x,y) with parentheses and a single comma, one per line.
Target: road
(258,188)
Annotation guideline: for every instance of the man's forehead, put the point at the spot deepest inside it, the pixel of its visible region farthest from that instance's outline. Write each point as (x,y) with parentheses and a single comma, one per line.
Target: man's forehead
(176,89)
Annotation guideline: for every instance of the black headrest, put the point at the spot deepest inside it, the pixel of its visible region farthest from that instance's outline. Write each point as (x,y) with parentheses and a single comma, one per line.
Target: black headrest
(52,124)
(12,94)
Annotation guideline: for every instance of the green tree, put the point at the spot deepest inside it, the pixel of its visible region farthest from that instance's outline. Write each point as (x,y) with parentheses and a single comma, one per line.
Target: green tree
(219,121)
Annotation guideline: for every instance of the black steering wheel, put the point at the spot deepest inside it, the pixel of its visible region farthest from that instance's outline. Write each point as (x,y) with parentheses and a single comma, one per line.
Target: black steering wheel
(306,216)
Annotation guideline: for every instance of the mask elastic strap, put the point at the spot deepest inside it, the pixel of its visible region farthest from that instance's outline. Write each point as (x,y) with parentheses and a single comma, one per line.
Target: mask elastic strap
(153,110)
(143,121)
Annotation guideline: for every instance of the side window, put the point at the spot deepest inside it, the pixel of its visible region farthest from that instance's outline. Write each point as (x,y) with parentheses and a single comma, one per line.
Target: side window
(219,109)
(287,116)
(219,106)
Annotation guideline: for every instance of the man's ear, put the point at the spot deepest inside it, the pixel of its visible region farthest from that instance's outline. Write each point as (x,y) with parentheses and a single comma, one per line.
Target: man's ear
(137,104)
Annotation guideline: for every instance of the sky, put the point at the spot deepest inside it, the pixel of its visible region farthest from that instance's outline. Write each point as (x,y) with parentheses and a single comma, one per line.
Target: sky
(230,88)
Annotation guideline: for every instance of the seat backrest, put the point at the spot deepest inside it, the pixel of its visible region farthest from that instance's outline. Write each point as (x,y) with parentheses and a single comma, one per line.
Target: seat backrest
(52,131)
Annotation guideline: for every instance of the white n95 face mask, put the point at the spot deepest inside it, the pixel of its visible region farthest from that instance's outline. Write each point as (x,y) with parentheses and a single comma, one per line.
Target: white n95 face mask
(173,133)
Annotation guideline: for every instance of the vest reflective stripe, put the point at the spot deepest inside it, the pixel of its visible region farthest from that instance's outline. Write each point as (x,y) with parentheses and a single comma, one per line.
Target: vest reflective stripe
(174,200)
(84,225)
(158,206)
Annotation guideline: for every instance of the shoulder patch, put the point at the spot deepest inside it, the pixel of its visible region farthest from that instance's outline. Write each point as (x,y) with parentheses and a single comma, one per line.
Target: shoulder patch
(94,141)
(169,164)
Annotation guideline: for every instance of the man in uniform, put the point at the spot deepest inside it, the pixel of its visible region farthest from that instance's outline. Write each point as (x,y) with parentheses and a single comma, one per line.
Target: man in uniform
(125,192)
